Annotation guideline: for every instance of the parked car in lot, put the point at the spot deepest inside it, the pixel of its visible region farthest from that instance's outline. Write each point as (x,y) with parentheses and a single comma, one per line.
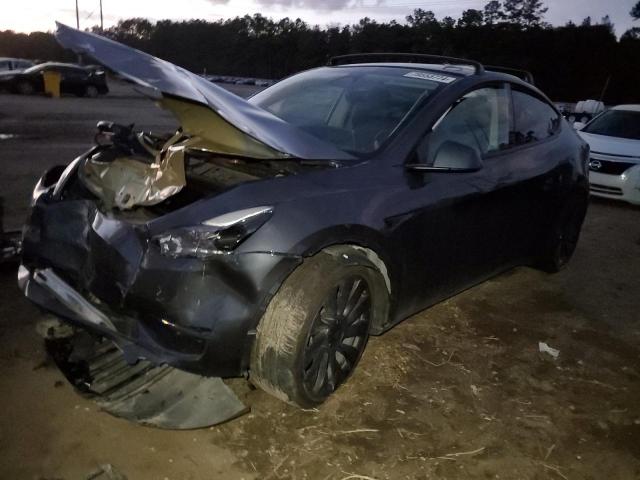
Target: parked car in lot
(274,240)
(10,64)
(614,138)
(75,80)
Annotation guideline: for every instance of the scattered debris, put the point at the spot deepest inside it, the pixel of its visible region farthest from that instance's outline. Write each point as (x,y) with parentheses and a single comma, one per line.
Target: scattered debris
(359,430)
(158,396)
(544,348)
(106,472)
(470,453)
(52,328)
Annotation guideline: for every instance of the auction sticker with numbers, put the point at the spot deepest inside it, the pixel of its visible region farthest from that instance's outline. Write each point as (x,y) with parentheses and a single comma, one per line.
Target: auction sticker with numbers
(436,77)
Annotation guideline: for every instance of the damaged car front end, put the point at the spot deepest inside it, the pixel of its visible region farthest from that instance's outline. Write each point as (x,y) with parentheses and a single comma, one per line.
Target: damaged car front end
(110,247)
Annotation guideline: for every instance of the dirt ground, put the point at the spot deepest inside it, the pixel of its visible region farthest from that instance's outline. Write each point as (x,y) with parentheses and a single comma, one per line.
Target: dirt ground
(459,391)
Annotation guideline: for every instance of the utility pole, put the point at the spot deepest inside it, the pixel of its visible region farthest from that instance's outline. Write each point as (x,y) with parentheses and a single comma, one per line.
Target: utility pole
(77,16)
(101,22)
(604,89)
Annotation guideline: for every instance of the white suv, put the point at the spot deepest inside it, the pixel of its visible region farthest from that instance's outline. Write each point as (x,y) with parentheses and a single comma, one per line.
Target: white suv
(614,138)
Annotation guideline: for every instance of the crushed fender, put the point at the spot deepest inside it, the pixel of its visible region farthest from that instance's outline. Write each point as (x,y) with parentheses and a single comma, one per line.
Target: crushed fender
(126,181)
(158,396)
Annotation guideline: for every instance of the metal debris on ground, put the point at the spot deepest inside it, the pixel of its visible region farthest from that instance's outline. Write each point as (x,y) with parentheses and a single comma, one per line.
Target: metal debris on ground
(159,396)
(106,472)
(544,348)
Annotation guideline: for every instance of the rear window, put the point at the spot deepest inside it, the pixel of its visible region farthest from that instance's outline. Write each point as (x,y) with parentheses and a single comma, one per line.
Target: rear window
(353,108)
(534,119)
(616,123)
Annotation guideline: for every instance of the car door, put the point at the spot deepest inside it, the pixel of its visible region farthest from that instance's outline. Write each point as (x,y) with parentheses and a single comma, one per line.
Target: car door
(533,170)
(455,235)
(73,80)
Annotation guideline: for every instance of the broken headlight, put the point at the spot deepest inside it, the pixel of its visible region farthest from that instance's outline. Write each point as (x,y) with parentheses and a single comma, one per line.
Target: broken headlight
(215,236)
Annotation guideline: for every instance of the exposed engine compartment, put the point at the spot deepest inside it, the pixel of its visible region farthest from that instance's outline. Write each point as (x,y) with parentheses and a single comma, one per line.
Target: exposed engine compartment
(128,174)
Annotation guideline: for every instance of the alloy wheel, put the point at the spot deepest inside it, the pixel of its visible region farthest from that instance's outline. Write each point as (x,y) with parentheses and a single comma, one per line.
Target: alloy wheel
(337,337)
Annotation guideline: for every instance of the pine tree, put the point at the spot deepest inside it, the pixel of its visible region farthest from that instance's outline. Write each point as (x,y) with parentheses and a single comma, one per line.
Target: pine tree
(471,18)
(528,13)
(635,11)
(493,12)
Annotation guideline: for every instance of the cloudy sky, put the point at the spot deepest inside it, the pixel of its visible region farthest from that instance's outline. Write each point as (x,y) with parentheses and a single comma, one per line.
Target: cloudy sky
(30,15)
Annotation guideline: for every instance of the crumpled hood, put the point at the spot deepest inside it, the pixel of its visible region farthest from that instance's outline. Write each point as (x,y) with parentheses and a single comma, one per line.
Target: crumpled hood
(249,130)
(612,145)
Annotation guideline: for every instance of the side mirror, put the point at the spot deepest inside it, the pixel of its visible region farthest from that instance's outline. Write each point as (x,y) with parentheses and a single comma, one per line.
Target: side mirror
(579,125)
(450,157)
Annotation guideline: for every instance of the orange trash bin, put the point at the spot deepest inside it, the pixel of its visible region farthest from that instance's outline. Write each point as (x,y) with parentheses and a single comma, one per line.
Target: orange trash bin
(52,83)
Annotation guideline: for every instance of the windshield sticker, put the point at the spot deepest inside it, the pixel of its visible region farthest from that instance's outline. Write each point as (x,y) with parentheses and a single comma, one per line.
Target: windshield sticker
(430,76)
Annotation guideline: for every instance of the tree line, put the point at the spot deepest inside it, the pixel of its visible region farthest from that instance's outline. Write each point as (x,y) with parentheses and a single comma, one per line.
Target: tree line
(570,62)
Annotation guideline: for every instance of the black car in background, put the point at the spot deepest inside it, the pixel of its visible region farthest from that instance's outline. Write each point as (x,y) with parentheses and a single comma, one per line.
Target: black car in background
(10,64)
(271,237)
(75,80)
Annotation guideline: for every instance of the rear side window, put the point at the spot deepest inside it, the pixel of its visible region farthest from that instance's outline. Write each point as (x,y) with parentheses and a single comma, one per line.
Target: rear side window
(534,119)
(479,120)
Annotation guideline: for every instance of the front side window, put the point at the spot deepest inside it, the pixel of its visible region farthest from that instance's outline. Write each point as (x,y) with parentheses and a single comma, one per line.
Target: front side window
(354,108)
(616,123)
(534,119)
(479,120)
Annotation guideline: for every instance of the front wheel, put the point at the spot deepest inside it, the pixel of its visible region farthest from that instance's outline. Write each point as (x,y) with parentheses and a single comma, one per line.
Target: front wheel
(25,88)
(563,238)
(314,331)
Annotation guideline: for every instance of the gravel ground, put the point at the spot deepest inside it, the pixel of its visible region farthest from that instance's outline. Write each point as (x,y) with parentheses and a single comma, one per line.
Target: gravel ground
(457,391)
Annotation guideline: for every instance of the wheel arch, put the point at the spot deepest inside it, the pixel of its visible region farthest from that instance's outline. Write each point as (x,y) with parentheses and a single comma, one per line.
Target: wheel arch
(354,254)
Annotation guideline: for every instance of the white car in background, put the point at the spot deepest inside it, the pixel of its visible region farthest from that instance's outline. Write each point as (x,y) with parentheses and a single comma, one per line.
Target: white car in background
(614,166)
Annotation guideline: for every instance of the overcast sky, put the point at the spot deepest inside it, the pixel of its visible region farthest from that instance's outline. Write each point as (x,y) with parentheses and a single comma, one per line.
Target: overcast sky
(30,15)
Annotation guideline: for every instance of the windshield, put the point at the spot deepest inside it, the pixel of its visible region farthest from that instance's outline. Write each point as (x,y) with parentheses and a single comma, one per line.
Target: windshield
(354,108)
(616,123)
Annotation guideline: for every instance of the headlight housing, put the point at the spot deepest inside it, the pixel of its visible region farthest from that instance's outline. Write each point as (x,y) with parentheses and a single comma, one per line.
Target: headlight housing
(216,236)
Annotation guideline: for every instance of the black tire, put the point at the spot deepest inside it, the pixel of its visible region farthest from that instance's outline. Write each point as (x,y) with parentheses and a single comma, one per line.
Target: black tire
(564,235)
(305,348)
(91,91)
(25,88)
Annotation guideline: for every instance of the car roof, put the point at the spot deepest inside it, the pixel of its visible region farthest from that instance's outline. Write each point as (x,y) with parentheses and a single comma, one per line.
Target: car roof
(435,63)
(464,70)
(628,108)
(459,71)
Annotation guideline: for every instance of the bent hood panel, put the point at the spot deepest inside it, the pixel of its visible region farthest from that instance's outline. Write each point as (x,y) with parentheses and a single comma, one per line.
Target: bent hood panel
(163,79)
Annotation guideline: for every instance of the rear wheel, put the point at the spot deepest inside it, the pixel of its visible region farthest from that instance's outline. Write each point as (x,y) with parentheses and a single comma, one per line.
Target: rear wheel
(25,88)
(91,91)
(564,235)
(314,330)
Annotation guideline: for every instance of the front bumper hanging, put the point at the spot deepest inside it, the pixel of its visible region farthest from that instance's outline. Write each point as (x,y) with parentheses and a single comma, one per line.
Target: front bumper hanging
(156,395)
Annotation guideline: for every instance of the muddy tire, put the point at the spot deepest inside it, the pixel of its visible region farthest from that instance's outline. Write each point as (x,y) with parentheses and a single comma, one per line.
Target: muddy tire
(564,236)
(314,330)
(25,88)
